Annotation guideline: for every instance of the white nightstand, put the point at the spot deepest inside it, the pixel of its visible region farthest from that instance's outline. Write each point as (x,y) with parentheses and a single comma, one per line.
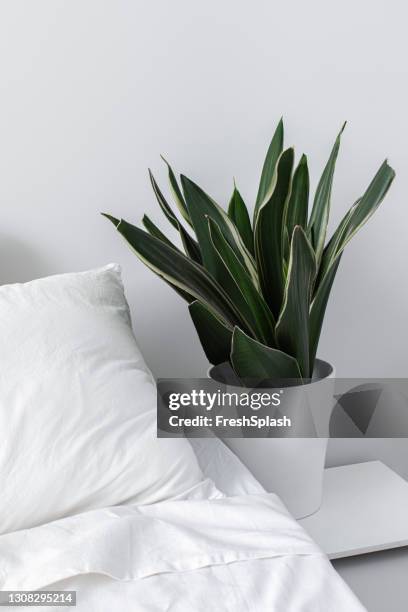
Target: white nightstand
(365,510)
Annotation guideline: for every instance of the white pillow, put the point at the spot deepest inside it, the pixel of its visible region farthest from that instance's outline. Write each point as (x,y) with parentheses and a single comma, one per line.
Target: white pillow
(78,404)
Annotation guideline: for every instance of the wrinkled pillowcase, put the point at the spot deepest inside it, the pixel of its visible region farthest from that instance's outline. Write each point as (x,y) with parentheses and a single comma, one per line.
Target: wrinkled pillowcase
(78,404)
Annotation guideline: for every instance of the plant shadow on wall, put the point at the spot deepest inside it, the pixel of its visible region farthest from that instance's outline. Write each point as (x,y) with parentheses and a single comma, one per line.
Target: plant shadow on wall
(256,291)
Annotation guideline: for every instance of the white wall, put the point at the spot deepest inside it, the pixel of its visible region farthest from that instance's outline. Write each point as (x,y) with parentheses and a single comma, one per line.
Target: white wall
(93,91)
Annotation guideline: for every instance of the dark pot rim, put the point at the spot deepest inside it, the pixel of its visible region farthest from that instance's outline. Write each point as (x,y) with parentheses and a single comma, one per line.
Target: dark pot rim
(224,374)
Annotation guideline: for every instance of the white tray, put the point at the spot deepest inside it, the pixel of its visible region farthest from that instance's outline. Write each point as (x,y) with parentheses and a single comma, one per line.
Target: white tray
(364,509)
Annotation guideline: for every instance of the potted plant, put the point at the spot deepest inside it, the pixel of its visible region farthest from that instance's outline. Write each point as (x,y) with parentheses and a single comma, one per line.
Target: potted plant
(257,291)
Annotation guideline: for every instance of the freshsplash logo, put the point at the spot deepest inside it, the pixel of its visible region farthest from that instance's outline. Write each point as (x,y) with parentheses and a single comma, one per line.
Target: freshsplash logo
(205,408)
(198,398)
(335,408)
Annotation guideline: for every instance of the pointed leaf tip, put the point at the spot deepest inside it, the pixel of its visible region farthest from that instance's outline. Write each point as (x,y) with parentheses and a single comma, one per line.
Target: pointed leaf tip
(274,151)
(112,219)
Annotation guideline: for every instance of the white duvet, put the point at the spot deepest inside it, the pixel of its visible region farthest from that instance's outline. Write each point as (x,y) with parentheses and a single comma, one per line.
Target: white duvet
(242,553)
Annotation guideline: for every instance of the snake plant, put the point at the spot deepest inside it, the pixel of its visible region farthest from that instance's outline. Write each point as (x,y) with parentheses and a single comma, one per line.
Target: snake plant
(256,290)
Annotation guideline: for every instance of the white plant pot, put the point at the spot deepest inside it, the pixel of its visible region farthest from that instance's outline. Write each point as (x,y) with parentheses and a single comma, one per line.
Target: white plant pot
(291,467)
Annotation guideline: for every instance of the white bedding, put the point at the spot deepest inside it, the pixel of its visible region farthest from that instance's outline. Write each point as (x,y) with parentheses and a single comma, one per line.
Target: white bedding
(78,404)
(242,553)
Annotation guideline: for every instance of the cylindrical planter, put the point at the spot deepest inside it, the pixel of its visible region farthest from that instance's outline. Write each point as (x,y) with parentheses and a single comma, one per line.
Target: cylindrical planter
(292,467)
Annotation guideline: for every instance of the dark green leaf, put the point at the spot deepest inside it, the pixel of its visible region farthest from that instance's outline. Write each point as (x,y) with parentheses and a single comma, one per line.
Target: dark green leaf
(292,328)
(331,249)
(215,335)
(238,213)
(111,219)
(354,219)
(222,275)
(176,191)
(370,201)
(254,362)
(321,204)
(163,203)
(251,304)
(318,308)
(285,250)
(296,210)
(190,245)
(201,206)
(183,294)
(269,235)
(155,231)
(179,270)
(272,156)
(358,214)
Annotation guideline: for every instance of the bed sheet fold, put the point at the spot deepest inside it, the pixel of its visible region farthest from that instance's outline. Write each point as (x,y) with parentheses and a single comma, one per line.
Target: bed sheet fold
(130,543)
